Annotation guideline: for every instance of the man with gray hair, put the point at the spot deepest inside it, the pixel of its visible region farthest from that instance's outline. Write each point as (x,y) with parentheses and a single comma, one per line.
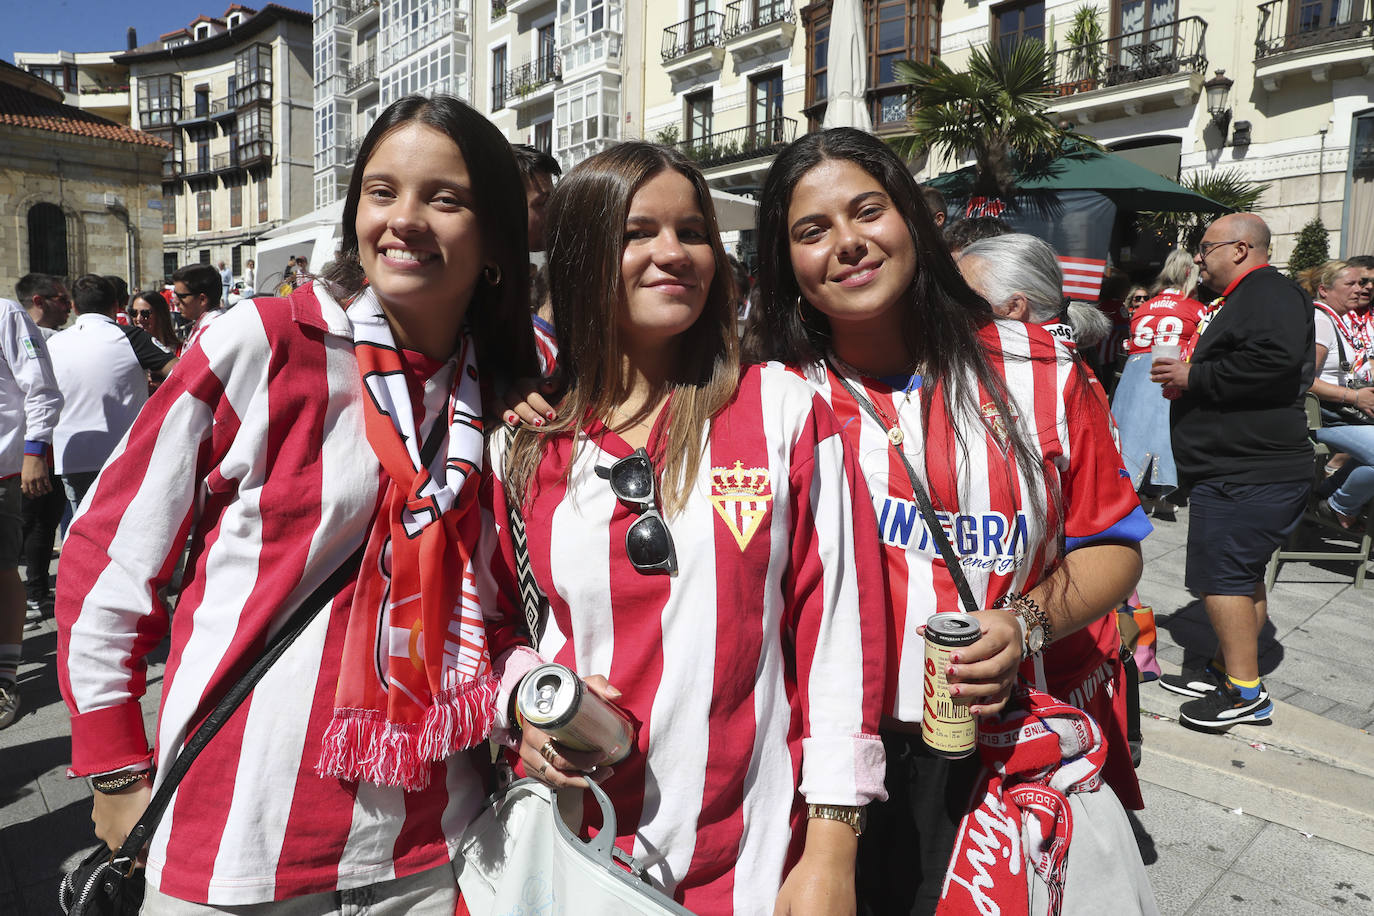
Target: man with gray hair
(1239,435)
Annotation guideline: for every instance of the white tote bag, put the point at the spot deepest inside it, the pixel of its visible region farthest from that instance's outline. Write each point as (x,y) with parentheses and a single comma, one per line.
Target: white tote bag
(520,856)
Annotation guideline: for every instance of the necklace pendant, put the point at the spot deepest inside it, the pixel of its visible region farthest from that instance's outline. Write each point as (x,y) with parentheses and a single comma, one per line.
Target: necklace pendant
(894,435)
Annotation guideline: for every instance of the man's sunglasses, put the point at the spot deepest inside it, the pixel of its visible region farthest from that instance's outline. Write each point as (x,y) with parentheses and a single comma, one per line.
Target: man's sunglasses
(182,296)
(648,543)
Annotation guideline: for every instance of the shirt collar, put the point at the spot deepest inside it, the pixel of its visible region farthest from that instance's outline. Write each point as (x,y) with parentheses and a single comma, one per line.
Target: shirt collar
(1236,282)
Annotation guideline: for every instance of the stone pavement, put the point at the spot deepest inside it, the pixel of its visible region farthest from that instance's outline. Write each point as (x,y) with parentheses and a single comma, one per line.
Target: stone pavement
(1265,820)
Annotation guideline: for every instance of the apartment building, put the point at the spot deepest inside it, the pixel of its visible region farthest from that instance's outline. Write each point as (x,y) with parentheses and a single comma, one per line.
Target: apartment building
(226,93)
(1279,91)
(91,81)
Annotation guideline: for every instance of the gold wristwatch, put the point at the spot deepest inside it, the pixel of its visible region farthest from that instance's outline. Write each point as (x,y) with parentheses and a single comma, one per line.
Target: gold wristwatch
(853,815)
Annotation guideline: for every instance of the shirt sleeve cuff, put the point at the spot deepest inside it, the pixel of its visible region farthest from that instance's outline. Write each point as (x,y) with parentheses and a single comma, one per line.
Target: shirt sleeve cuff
(109,739)
(512,669)
(1134,528)
(843,770)
(35,447)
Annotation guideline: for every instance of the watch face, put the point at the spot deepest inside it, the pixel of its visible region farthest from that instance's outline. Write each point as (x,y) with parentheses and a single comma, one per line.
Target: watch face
(1035,639)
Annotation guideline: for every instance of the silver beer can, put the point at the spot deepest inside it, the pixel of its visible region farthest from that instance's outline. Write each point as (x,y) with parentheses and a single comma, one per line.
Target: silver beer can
(555,700)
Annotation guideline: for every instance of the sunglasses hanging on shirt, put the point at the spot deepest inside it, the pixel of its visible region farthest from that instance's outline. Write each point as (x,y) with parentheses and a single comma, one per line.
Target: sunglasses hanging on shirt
(648,543)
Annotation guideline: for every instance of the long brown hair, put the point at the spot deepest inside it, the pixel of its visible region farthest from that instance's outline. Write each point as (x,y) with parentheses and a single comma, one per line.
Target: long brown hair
(585,234)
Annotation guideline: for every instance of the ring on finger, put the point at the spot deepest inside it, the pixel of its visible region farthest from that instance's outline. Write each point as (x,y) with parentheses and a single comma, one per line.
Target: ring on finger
(548,751)
(543,768)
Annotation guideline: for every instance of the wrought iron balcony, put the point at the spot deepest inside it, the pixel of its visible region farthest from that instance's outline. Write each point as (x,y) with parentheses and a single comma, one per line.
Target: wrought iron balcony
(745,16)
(741,143)
(358,75)
(704,30)
(171,169)
(198,166)
(528,77)
(204,109)
(354,9)
(1287,25)
(1165,49)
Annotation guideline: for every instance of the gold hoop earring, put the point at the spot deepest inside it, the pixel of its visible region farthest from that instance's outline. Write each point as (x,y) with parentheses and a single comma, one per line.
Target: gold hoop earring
(492,274)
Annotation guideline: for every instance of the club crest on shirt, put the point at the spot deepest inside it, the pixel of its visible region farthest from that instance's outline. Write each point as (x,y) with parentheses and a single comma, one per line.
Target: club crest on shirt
(741,496)
(994,423)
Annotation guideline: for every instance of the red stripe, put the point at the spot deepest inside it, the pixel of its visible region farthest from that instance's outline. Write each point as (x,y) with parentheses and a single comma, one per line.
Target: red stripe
(1004,475)
(942,481)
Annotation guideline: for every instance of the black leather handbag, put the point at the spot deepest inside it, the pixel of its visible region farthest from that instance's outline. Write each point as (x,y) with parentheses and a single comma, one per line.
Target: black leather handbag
(112,884)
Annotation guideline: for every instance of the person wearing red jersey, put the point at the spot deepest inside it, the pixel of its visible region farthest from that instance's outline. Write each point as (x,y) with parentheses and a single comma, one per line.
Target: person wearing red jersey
(1017,457)
(736,608)
(1142,414)
(287,438)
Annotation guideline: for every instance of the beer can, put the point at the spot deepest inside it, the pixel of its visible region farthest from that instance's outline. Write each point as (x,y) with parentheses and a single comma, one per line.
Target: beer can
(555,700)
(946,725)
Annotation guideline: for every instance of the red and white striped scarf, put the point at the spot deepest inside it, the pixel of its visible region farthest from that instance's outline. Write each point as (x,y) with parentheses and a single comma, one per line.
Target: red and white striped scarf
(1034,754)
(416,681)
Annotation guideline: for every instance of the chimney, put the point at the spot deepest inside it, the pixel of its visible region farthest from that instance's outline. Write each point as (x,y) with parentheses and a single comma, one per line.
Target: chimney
(132,38)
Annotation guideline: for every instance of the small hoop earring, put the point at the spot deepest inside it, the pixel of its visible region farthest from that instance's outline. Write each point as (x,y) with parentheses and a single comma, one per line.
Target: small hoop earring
(492,274)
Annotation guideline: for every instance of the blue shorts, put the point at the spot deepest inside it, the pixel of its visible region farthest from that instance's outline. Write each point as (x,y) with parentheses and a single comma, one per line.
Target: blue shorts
(1233,529)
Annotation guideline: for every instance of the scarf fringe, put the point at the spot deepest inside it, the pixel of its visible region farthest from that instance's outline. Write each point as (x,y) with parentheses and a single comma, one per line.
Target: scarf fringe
(360,745)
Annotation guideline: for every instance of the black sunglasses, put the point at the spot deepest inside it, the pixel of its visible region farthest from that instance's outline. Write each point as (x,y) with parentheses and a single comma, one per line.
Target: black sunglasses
(181,296)
(648,543)
(138,314)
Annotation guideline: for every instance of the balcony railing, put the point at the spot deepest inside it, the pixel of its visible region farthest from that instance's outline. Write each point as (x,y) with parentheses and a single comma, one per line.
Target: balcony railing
(198,165)
(745,16)
(352,9)
(528,77)
(358,74)
(171,169)
(1161,50)
(701,31)
(1287,25)
(200,110)
(740,143)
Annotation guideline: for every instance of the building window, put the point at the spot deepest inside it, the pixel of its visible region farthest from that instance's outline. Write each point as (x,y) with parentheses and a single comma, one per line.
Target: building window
(205,256)
(765,99)
(203,211)
(203,156)
(253,131)
(498,78)
(253,75)
(236,205)
(586,119)
(169,266)
(169,214)
(262,199)
(159,101)
(590,31)
(817,64)
(438,71)
(699,115)
(47,240)
(236,260)
(408,26)
(1021,20)
(63,76)
(543,136)
(325,149)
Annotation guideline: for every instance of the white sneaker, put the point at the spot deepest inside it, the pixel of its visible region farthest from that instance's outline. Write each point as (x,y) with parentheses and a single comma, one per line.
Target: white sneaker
(9,703)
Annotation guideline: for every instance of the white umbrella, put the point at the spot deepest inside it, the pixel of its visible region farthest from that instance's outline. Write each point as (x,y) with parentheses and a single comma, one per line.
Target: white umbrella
(847,68)
(733,211)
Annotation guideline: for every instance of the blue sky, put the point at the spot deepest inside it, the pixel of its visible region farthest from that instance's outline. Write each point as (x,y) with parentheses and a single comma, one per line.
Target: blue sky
(99,25)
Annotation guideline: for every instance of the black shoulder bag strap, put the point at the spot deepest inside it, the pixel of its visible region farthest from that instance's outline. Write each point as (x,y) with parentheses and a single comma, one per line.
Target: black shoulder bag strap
(317,601)
(937,531)
(531,598)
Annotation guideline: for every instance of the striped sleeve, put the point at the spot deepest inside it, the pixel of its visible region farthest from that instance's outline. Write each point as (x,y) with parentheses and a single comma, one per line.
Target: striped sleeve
(1100,502)
(837,611)
(124,545)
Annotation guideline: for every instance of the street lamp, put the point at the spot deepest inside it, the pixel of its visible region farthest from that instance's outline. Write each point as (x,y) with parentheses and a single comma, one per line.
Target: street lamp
(1218,87)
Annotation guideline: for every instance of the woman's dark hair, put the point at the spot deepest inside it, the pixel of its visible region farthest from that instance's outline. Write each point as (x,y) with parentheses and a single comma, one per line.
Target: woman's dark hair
(161,326)
(941,322)
(498,315)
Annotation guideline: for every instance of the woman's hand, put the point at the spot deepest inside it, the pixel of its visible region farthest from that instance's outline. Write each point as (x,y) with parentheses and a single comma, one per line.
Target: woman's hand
(1364,400)
(526,402)
(983,674)
(822,881)
(116,814)
(560,766)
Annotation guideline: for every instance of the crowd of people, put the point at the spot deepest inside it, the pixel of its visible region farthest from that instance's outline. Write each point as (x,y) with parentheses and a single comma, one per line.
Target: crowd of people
(739,499)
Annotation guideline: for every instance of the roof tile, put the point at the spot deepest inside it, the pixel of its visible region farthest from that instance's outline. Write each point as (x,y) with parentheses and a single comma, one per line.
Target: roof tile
(26,109)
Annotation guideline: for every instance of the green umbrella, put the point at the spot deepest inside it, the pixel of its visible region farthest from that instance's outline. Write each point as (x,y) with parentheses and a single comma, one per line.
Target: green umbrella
(1129,186)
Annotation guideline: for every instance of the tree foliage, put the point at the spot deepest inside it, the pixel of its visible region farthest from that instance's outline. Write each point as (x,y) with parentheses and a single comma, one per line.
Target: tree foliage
(1225,186)
(1313,247)
(994,111)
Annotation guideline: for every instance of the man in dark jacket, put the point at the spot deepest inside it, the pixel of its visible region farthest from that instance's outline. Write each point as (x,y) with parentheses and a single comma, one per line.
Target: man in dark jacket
(1240,443)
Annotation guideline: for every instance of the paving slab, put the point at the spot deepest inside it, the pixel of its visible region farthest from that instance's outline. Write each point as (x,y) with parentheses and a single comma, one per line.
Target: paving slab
(1331,875)
(1239,895)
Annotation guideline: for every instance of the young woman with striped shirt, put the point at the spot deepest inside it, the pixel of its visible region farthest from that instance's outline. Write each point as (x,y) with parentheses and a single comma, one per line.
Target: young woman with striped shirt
(289,436)
(736,608)
(1016,454)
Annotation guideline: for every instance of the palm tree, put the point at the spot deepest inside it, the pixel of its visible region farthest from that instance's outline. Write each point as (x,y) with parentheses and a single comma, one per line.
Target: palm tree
(1225,186)
(994,110)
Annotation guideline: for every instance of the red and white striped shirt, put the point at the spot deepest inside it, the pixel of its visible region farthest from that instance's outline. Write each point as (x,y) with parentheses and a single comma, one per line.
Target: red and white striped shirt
(254,448)
(753,676)
(987,511)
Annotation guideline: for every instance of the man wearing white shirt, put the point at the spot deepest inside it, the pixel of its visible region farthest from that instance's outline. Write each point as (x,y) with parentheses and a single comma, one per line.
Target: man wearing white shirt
(29,407)
(226,282)
(196,288)
(250,279)
(100,368)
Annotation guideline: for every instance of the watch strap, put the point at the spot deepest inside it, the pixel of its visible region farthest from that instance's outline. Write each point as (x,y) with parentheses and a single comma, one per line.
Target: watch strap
(853,815)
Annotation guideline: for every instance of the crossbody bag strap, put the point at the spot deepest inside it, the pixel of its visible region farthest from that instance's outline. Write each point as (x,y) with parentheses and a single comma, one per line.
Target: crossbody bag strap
(531,597)
(320,598)
(937,531)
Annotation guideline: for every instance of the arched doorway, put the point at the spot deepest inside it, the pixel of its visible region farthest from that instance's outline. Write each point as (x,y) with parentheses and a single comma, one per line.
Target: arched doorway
(47,240)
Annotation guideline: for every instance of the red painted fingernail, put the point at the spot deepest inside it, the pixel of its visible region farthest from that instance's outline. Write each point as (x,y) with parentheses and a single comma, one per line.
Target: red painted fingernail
(538,422)
(954,690)
(954,657)
(551,415)
(512,419)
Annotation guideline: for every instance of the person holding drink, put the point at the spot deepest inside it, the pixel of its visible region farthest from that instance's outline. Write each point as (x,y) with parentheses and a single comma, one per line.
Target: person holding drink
(709,555)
